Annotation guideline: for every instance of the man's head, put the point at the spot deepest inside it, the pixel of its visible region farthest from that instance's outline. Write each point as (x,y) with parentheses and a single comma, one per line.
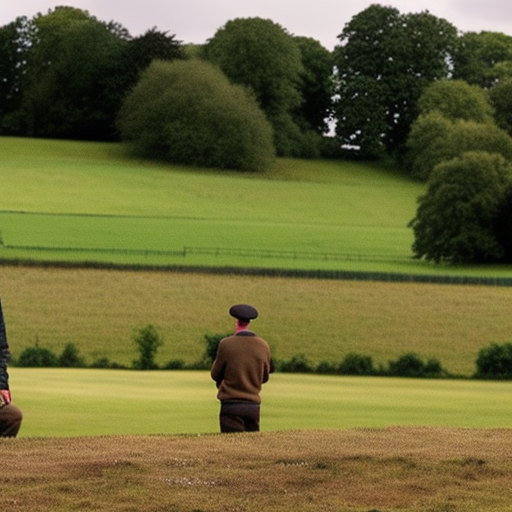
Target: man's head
(243,312)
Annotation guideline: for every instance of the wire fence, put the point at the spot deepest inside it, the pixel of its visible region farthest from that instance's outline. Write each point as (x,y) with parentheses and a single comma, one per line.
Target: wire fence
(238,252)
(273,254)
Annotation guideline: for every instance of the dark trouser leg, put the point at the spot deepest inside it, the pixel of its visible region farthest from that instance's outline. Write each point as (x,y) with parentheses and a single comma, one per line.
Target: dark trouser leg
(239,417)
(10,421)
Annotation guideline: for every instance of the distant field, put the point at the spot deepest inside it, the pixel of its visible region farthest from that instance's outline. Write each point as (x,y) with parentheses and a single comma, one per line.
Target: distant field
(76,201)
(98,310)
(65,403)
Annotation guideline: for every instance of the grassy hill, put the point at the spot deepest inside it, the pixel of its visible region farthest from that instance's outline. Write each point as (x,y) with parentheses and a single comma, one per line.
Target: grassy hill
(63,200)
(75,201)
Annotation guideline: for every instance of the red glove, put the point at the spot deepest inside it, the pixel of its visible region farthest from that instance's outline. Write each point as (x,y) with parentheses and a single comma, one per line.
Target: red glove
(5,397)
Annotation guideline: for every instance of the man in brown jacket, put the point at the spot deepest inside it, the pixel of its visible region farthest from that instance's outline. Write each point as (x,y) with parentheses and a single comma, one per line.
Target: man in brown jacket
(242,365)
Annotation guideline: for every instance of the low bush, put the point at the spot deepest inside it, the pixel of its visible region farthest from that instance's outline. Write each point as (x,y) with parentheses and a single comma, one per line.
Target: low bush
(356,364)
(105,363)
(175,364)
(296,364)
(148,341)
(494,362)
(411,365)
(71,358)
(212,344)
(37,357)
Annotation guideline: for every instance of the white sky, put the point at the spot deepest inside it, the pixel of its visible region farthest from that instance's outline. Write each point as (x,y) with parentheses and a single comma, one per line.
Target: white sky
(194,21)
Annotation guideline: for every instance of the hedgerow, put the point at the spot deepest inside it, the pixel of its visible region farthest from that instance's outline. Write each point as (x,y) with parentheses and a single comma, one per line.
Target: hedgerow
(493,362)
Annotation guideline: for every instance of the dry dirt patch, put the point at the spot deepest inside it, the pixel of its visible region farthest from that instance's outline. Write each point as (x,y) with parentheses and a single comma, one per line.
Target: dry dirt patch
(359,470)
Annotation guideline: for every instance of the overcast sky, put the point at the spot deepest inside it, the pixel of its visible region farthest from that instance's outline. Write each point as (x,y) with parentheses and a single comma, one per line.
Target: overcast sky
(194,21)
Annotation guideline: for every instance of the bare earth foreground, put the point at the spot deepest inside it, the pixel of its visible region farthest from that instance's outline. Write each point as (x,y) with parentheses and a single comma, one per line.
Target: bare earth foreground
(357,470)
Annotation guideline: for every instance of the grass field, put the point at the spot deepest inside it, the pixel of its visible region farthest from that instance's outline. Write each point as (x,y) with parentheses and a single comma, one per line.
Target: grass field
(92,203)
(77,201)
(121,441)
(68,403)
(98,311)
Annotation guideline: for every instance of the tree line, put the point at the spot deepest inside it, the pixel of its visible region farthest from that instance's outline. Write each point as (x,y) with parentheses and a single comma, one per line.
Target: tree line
(404,86)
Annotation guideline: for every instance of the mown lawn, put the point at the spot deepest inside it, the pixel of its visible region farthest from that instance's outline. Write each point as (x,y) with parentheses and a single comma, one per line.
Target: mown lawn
(69,403)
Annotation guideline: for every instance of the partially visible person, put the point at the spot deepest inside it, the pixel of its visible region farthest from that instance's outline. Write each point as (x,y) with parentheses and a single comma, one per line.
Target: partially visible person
(242,365)
(10,416)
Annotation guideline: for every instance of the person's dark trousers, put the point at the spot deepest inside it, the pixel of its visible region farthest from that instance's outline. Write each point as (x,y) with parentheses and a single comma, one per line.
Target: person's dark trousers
(10,421)
(239,416)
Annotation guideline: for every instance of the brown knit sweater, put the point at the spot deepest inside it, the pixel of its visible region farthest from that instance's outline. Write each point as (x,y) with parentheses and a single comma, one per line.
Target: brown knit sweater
(242,365)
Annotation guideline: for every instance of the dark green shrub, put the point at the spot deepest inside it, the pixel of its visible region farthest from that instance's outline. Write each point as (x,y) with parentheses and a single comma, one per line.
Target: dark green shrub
(37,357)
(494,362)
(356,364)
(148,341)
(408,365)
(175,364)
(71,358)
(411,365)
(105,363)
(297,364)
(212,344)
(326,368)
(433,368)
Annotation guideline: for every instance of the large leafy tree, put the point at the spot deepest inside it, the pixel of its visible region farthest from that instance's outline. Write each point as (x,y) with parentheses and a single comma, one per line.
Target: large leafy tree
(15,43)
(142,50)
(456,99)
(455,117)
(65,73)
(70,77)
(435,139)
(263,56)
(188,112)
(316,85)
(481,58)
(503,226)
(456,218)
(501,99)
(384,62)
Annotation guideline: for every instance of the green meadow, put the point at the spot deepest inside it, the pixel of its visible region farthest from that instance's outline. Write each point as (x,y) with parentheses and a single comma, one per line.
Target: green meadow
(69,403)
(77,201)
(88,202)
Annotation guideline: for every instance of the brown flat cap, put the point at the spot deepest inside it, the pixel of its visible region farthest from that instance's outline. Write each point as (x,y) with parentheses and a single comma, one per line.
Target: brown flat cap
(243,312)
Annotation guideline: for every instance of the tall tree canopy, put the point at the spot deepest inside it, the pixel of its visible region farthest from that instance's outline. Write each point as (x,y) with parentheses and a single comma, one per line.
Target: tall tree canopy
(64,73)
(501,99)
(15,43)
(435,139)
(454,117)
(456,99)
(456,218)
(316,85)
(384,62)
(67,84)
(481,58)
(263,56)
